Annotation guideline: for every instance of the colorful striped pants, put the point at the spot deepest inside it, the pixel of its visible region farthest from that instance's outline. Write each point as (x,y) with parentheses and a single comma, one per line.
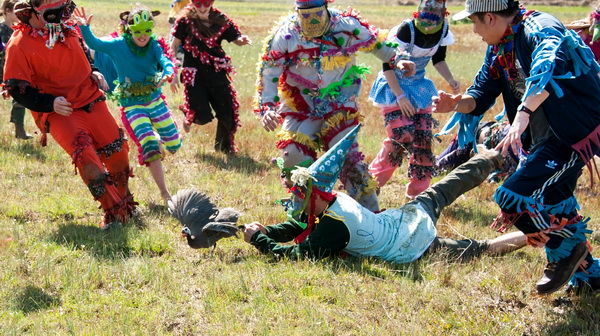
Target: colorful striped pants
(148,125)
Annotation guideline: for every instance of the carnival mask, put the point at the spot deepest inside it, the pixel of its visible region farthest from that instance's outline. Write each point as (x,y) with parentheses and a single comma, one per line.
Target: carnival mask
(56,12)
(23,10)
(203,3)
(429,16)
(142,24)
(314,22)
(298,200)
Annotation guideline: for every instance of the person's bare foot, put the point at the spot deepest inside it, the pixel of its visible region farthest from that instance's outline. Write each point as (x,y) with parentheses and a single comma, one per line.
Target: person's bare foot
(166,196)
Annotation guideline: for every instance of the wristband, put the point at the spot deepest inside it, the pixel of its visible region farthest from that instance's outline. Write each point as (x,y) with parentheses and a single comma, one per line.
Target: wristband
(400,97)
(524,109)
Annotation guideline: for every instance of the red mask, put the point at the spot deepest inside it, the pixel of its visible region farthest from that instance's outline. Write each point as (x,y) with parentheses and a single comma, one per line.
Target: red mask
(203,3)
(56,12)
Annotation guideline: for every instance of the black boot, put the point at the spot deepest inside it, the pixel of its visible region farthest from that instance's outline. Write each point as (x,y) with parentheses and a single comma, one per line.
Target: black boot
(20,132)
(557,274)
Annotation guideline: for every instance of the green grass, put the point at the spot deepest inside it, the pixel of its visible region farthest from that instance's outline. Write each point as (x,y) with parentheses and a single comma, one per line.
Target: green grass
(62,275)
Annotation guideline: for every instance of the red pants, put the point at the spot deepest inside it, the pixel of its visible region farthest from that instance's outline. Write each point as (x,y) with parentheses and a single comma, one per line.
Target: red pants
(99,151)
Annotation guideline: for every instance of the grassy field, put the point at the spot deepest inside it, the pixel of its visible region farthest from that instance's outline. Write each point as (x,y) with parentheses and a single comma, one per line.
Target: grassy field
(61,275)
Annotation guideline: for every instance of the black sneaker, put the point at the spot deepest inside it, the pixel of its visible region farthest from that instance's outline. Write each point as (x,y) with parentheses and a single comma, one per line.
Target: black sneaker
(558,274)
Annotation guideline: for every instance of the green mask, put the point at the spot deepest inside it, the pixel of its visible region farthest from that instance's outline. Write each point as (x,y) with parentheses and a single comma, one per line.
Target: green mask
(142,24)
(426,27)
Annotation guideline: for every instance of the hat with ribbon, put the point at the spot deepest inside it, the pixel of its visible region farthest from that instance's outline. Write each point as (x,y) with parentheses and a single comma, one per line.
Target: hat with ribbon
(319,179)
(323,173)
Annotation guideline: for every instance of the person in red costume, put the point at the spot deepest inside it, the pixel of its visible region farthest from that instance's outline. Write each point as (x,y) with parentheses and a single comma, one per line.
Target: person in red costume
(48,72)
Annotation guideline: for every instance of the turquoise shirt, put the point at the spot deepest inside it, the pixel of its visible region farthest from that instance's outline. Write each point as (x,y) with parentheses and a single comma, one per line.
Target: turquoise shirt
(397,235)
(133,69)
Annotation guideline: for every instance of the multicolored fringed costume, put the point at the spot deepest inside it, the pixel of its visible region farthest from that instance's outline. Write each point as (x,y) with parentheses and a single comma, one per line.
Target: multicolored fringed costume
(313,83)
(206,74)
(35,76)
(539,198)
(412,135)
(143,106)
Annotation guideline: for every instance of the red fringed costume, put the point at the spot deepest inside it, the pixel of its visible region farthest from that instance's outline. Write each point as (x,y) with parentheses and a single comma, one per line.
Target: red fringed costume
(35,75)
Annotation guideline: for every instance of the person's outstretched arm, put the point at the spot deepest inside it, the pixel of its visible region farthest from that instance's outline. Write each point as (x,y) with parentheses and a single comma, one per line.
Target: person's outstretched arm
(242,40)
(91,40)
(443,69)
(329,236)
(401,99)
(446,102)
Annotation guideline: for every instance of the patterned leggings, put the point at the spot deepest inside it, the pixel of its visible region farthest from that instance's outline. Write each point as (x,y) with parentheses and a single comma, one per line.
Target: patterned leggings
(143,120)
(406,136)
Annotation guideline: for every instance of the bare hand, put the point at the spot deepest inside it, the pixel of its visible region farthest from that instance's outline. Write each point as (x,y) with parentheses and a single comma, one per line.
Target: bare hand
(166,78)
(405,106)
(99,79)
(62,106)
(270,120)
(445,102)
(408,67)
(513,137)
(455,85)
(81,18)
(174,84)
(243,40)
(251,229)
